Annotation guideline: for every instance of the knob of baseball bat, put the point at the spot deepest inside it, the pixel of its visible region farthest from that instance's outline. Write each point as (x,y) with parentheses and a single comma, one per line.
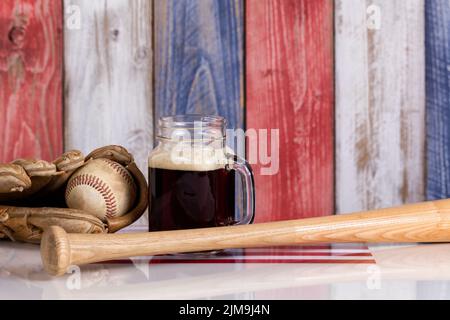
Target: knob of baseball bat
(422,222)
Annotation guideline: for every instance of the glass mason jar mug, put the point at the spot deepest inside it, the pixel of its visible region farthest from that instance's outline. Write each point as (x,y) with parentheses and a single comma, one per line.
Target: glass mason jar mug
(192,176)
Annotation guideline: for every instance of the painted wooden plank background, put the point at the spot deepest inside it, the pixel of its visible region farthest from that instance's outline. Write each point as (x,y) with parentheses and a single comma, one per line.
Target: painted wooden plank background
(289,50)
(199,58)
(108,67)
(108,88)
(199,50)
(30,79)
(380,103)
(438,97)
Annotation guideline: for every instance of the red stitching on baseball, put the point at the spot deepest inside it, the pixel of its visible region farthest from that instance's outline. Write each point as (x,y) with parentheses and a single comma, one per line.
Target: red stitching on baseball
(98,185)
(121,171)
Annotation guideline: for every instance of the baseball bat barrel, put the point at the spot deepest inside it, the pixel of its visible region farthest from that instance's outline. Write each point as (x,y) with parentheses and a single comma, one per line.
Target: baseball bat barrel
(422,222)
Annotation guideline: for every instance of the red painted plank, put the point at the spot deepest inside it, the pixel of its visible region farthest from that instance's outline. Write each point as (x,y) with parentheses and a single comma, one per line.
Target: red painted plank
(290,88)
(30,79)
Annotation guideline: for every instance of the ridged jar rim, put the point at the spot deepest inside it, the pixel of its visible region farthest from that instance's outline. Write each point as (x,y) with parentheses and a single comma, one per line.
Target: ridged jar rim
(188,121)
(209,126)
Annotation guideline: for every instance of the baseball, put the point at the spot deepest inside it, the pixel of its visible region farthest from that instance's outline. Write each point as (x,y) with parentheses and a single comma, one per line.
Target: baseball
(101,187)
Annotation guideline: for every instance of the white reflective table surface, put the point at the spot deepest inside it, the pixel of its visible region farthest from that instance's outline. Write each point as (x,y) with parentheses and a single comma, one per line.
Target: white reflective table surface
(415,271)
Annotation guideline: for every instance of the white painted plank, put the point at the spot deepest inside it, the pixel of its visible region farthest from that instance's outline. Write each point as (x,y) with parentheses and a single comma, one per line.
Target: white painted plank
(380,103)
(108,76)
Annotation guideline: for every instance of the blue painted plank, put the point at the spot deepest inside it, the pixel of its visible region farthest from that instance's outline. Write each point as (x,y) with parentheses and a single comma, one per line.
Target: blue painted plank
(198,58)
(438,97)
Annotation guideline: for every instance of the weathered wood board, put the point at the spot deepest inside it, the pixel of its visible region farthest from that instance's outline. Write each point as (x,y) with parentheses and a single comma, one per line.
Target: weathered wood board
(30,79)
(108,71)
(108,88)
(380,103)
(199,58)
(438,98)
(289,70)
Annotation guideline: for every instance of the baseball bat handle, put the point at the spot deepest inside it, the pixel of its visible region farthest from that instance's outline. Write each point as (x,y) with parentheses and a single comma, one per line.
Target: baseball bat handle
(422,222)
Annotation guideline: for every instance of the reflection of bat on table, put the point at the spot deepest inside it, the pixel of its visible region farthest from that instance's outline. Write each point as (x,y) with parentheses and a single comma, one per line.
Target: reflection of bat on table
(418,263)
(22,275)
(422,222)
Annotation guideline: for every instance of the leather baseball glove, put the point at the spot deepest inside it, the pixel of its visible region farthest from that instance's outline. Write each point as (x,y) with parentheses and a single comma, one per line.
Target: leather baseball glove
(32,196)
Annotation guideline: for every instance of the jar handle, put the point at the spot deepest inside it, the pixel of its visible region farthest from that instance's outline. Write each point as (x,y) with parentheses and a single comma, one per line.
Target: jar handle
(243,168)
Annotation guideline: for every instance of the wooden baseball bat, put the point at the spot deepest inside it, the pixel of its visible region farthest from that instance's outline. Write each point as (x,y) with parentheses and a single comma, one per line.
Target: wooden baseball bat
(422,222)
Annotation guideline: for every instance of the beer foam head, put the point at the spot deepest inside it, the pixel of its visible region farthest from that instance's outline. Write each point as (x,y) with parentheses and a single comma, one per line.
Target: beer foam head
(190,158)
